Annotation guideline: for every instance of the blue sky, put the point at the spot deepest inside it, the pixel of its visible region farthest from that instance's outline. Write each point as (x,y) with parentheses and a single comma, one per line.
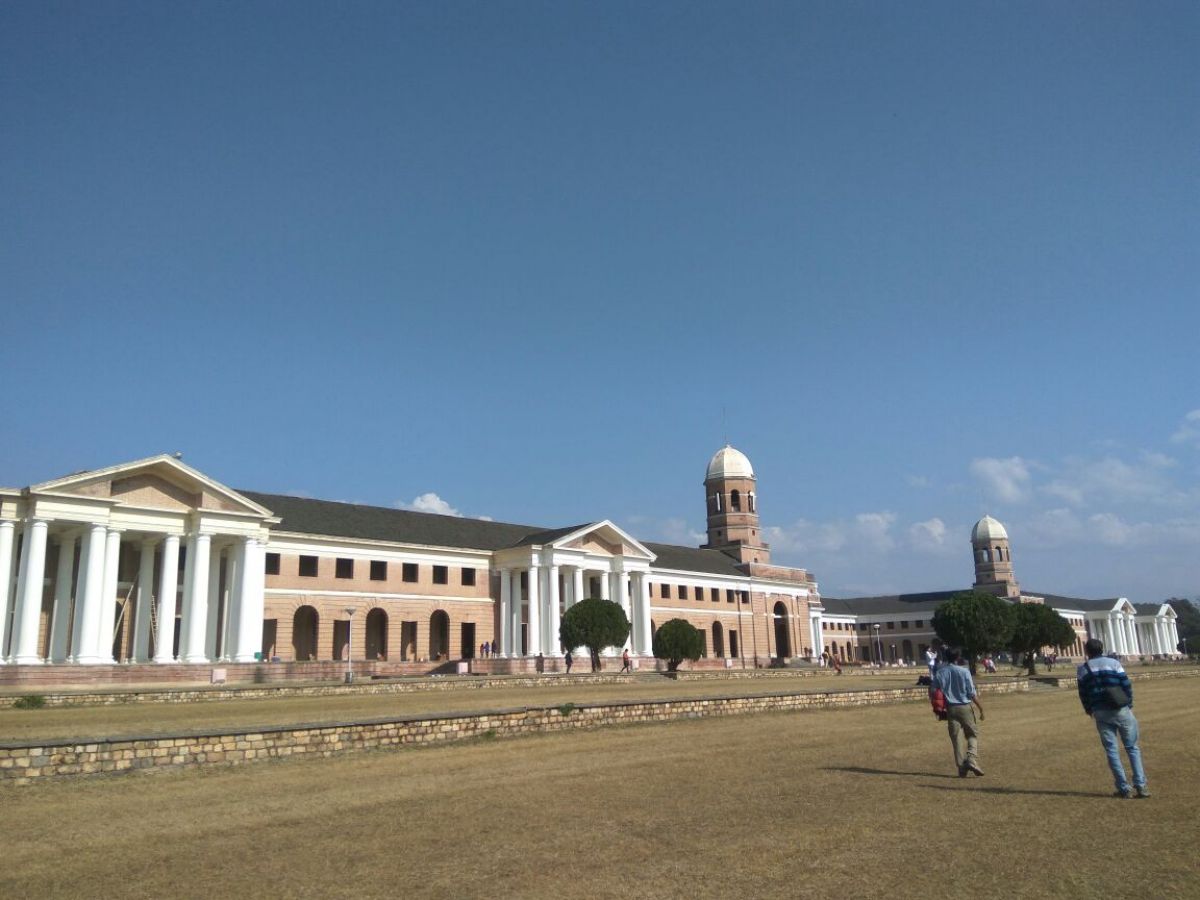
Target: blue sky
(538,261)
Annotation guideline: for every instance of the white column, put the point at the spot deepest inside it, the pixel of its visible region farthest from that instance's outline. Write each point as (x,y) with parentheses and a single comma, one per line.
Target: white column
(7,543)
(60,624)
(535,611)
(621,589)
(1110,638)
(31,582)
(553,620)
(195,603)
(514,579)
(647,631)
(168,597)
(816,626)
(1160,636)
(250,602)
(145,603)
(235,566)
(214,603)
(107,612)
(88,591)
(605,585)
(577,585)
(1135,645)
(505,613)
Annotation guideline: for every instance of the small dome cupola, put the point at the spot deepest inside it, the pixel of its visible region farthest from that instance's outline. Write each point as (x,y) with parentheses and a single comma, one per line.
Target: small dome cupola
(729,462)
(731,498)
(993,562)
(986,530)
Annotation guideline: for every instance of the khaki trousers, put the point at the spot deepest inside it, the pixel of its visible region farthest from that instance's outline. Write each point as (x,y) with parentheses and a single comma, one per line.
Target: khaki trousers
(962,718)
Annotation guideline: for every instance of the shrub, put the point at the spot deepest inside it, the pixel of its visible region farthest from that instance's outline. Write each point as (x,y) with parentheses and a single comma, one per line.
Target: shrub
(30,701)
(676,641)
(566,709)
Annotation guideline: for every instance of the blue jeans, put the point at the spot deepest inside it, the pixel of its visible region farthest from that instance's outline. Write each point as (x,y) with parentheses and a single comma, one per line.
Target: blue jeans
(1112,723)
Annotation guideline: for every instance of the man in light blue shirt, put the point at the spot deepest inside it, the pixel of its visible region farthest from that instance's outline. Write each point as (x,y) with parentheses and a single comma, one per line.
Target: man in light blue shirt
(956,683)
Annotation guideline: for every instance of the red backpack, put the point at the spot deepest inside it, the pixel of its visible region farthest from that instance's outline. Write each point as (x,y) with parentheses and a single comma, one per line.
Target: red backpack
(938,701)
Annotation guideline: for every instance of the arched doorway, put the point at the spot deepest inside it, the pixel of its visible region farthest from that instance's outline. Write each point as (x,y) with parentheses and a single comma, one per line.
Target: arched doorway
(783,644)
(377,629)
(439,635)
(718,640)
(304,633)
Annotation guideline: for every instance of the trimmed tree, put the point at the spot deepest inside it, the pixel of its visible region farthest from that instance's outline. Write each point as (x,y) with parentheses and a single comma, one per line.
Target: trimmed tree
(595,624)
(677,640)
(977,622)
(1036,626)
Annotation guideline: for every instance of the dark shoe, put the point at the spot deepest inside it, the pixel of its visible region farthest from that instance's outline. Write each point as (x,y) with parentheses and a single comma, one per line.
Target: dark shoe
(962,771)
(1126,794)
(1142,792)
(971,767)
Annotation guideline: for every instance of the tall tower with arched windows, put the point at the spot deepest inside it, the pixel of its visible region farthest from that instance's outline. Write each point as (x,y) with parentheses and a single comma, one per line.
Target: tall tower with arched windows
(993,564)
(730,493)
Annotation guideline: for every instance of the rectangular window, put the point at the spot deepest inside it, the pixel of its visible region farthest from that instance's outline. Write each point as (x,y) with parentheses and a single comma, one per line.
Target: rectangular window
(745,596)
(891,626)
(468,577)
(344,568)
(728,595)
(441,575)
(272,567)
(683,592)
(862,626)
(903,624)
(716,595)
(308,566)
(920,623)
(379,570)
(664,591)
(409,572)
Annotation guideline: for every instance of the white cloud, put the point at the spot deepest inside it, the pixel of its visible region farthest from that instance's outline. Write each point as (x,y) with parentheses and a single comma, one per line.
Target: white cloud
(1189,431)
(1005,479)
(1083,482)
(928,536)
(430,503)
(917,481)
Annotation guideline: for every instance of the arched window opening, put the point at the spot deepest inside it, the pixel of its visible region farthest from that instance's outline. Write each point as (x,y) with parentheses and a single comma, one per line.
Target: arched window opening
(304,633)
(377,624)
(718,640)
(750,501)
(439,635)
(783,645)
(735,500)
(987,555)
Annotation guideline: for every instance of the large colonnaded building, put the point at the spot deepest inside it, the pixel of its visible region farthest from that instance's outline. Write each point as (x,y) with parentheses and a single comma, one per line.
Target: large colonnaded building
(153,564)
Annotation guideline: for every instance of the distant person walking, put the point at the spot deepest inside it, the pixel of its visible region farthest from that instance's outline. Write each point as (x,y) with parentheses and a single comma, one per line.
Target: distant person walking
(626,665)
(931,660)
(567,660)
(1107,696)
(956,683)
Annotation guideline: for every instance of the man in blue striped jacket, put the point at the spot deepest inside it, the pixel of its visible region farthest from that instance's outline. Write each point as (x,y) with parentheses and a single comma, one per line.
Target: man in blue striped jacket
(1107,696)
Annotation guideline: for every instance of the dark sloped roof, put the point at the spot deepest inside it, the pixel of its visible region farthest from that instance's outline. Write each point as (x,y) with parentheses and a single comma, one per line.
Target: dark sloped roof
(402,526)
(693,559)
(1080,603)
(886,603)
(381,523)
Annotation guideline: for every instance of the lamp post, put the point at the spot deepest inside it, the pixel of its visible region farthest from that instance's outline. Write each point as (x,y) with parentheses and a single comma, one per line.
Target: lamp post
(893,653)
(349,610)
(878,645)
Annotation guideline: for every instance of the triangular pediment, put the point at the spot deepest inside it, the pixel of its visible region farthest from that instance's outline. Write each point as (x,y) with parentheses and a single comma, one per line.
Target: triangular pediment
(159,482)
(604,539)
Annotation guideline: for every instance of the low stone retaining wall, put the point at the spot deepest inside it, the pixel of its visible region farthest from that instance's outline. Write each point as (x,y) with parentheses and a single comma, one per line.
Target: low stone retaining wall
(28,762)
(114,697)
(25,762)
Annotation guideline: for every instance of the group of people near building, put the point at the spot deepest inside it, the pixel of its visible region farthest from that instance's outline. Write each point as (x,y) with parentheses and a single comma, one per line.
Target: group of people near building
(1104,691)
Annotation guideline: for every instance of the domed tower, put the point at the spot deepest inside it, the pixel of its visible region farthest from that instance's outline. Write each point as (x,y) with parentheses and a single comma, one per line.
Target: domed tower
(733,507)
(993,565)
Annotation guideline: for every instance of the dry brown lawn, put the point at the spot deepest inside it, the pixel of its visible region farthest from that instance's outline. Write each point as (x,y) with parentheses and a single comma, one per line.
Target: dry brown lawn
(170,718)
(853,803)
